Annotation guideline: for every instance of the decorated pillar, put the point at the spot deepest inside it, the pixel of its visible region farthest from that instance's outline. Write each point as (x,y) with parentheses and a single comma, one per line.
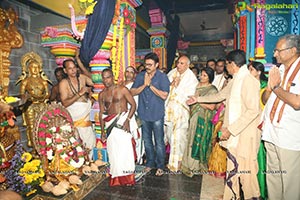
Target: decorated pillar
(260,32)
(60,40)
(158,34)
(123,49)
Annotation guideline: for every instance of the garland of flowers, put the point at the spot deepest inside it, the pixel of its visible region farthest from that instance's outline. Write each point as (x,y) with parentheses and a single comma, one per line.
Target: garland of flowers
(67,156)
(128,19)
(44,134)
(49,138)
(88,5)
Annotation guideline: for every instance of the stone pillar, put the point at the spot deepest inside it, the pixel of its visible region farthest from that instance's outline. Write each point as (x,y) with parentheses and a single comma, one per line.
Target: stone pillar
(158,37)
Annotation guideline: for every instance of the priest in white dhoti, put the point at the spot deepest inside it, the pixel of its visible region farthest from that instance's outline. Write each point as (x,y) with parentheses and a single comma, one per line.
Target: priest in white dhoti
(80,113)
(183,84)
(120,124)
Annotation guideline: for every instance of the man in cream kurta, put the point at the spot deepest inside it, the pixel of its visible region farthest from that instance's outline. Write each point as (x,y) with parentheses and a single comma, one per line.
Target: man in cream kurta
(183,84)
(240,134)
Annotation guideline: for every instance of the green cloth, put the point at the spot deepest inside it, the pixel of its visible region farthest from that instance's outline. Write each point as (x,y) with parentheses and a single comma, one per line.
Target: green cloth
(199,117)
(202,145)
(263,84)
(261,159)
(261,175)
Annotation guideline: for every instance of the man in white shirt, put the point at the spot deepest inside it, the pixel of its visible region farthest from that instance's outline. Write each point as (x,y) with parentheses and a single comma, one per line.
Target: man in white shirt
(281,121)
(219,74)
(183,84)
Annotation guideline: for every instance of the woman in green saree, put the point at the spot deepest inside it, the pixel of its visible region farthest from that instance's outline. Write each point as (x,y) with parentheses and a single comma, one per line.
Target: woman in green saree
(199,145)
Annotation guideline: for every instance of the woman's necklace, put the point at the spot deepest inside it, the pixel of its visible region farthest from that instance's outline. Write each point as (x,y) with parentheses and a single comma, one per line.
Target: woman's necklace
(72,86)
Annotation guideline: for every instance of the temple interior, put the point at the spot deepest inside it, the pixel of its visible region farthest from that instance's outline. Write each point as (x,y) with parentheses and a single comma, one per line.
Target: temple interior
(37,36)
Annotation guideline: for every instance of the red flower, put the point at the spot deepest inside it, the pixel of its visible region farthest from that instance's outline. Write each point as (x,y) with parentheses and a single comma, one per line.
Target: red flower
(50,113)
(58,140)
(41,134)
(5,164)
(125,12)
(80,153)
(43,143)
(56,111)
(127,21)
(45,118)
(57,129)
(42,125)
(133,25)
(48,148)
(43,151)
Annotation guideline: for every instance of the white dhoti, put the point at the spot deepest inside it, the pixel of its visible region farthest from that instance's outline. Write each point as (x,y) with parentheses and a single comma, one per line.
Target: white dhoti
(121,152)
(177,114)
(80,113)
(176,134)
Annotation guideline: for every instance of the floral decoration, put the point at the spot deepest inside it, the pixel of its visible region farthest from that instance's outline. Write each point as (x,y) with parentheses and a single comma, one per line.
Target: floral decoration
(73,155)
(51,31)
(45,134)
(125,12)
(128,18)
(25,173)
(88,5)
(59,140)
(117,12)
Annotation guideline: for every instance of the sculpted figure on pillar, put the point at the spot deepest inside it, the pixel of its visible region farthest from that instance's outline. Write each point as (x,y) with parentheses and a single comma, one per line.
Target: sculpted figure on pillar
(9,38)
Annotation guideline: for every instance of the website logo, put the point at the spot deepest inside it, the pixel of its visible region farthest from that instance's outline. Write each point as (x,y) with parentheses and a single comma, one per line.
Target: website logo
(243,6)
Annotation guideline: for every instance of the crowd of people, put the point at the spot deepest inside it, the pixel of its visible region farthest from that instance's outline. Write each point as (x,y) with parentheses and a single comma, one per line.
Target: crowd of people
(212,118)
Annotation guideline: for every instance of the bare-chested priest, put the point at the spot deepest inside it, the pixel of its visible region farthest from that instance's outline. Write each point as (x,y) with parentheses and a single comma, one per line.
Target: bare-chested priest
(119,123)
(74,96)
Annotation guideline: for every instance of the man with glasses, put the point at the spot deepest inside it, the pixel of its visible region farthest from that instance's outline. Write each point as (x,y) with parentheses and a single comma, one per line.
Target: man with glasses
(152,86)
(281,121)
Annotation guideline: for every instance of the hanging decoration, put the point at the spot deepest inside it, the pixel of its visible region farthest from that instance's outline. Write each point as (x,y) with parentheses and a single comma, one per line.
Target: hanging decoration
(88,6)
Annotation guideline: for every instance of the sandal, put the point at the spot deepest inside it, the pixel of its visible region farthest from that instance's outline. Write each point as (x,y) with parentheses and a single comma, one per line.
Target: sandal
(159,172)
(147,170)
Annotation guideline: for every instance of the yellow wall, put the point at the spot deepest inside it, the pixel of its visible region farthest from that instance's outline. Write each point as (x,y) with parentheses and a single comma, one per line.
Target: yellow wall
(61,6)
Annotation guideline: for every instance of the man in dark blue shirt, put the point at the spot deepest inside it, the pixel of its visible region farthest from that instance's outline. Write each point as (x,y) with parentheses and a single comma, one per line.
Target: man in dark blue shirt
(152,86)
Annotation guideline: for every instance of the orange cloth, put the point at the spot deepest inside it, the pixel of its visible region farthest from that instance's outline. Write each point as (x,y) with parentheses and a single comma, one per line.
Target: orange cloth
(82,123)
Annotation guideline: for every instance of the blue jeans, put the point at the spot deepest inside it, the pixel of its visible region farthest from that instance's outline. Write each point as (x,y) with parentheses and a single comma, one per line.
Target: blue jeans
(155,154)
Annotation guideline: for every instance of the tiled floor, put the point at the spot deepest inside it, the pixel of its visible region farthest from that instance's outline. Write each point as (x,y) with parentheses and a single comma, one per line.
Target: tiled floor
(212,188)
(150,187)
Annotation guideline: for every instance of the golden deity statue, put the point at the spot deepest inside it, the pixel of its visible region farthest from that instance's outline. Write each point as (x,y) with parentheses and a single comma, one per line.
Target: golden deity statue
(9,38)
(34,88)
